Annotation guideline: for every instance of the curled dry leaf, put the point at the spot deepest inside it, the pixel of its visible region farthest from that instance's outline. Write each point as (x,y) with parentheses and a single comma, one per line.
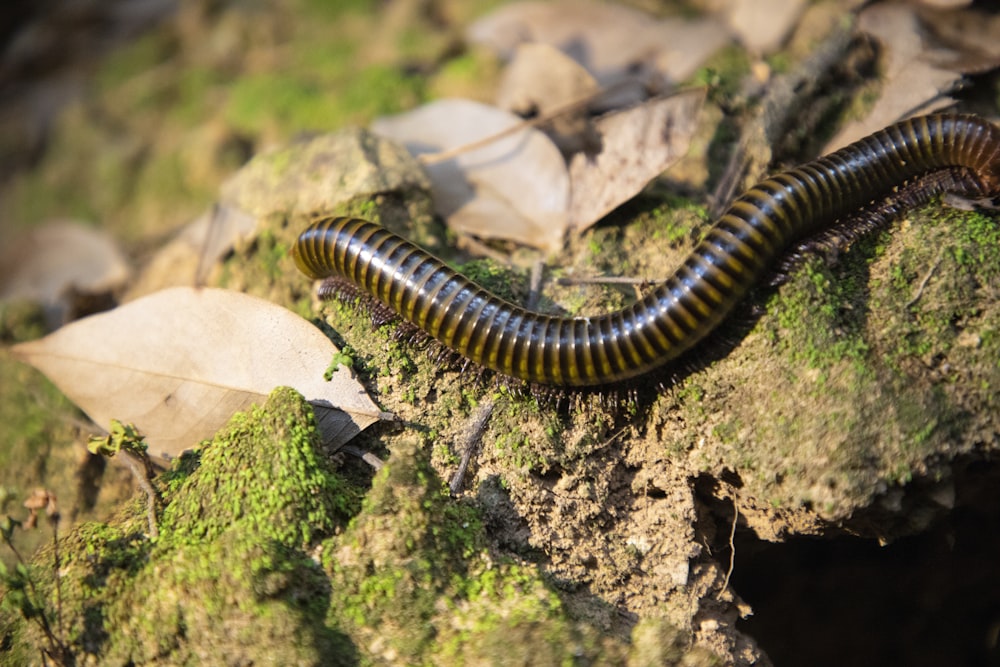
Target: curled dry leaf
(637,145)
(180,362)
(51,263)
(614,43)
(513,187)
(911,83)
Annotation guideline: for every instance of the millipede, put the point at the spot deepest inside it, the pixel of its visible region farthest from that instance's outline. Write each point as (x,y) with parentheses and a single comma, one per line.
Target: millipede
(762,225)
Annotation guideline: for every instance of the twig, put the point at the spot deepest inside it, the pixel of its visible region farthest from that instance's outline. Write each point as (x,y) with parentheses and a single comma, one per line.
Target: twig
(732,550)
(369,458)
(474,434)
(535,285)
(608,280)
(54,520)
(572,105)
(142,470)
(926,278)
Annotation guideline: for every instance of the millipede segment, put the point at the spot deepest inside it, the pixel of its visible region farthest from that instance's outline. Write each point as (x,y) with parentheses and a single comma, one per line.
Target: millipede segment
(760,226)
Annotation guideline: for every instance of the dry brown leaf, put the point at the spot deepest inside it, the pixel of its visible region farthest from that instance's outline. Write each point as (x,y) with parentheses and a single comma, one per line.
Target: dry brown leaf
(763,25)
(613,42)
(638,144)
(945,4)
(180,362)
(970,38)
(910,83)
(48,264)
(515,187)
(541,79)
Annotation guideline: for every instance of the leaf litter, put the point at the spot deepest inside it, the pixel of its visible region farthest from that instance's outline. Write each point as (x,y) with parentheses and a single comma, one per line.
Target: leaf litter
(515,187)
(53,263)
(614,43)
(180,362)
(911,82)
(496,176)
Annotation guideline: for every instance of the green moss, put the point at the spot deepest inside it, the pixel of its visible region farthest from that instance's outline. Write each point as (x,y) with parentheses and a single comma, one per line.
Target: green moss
(264,474)
(723,73)
(38,444)
(416,560)
(300,101)
(819,322)
(229,577)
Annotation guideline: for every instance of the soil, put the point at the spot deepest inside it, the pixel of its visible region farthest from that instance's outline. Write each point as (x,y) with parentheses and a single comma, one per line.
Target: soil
(816,486)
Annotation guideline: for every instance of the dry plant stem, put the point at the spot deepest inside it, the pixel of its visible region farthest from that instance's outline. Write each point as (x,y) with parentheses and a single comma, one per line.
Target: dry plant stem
(780,110)
(476,247)
(474,435)
(732,550)
(535,285)
(642,283)
(56,647)
(369,458)
(143,472)
(926,279)
(54,520)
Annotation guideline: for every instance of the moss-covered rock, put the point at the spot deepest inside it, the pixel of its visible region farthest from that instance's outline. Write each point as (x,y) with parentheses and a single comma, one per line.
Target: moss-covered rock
(229,580)
(266,555)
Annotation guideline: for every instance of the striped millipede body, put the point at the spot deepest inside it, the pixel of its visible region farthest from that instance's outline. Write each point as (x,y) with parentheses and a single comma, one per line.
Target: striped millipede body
(742,246)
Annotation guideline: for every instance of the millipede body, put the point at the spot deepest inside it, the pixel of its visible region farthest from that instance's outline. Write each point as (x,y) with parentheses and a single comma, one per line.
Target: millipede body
(742,246)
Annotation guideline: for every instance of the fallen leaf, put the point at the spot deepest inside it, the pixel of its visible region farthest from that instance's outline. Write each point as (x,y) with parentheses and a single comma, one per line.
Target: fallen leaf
(614,43)
(911,83)
(970,38)
(180,362)
(763,25)
(638,144)
(514,187)
(51,263)
(541,79)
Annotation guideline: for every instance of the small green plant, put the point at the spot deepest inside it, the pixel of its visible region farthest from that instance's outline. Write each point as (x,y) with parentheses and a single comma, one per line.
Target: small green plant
(21,594)
(125,439)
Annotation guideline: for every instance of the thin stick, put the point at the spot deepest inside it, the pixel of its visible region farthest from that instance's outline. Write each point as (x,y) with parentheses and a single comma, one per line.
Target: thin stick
(927,277)
(142,471)
(477,426)
(732,550)
(608,280)
(572,105)
(535,286)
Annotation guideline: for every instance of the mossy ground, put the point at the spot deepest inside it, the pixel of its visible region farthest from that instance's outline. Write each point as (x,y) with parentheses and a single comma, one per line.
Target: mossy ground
(852,382)
(265,553)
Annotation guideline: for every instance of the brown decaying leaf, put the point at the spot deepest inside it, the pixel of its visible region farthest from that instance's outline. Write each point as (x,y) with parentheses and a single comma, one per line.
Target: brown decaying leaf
(515,187)
(911,84)
(541,79)
(970,38)
(48,263)
(637,145)
(180,362)
(763,25)
(613,42)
